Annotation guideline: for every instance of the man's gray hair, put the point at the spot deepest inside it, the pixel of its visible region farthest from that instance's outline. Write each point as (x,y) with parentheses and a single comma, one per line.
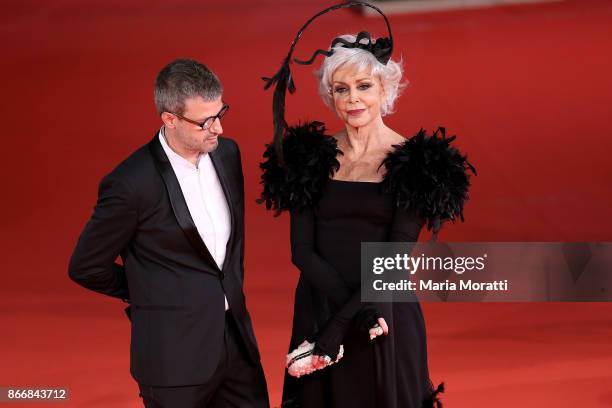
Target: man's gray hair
(183,79)
(390,75)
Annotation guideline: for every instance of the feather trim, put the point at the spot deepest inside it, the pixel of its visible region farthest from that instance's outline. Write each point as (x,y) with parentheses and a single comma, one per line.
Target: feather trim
(430,176)
(309,160)
(432,400)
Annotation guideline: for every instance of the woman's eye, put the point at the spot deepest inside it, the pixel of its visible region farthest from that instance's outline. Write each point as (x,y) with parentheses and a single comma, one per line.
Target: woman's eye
(364,87)
(339,90)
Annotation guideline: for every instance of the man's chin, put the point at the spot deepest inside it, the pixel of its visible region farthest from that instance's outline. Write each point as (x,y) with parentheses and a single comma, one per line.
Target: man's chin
(210,144)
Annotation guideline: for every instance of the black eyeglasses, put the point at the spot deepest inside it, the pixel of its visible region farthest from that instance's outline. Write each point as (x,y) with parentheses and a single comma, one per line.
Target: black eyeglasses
(208,122)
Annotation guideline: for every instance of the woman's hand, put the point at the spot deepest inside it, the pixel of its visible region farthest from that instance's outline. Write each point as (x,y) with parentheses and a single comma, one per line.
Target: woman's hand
(319,362)
(301,366)
(379,329)
(306,364)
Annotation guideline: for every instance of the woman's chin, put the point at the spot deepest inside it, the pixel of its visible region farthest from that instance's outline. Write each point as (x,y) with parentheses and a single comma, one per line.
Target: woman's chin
(357,121)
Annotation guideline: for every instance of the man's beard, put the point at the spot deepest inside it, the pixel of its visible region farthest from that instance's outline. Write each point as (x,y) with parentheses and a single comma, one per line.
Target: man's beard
(208,146)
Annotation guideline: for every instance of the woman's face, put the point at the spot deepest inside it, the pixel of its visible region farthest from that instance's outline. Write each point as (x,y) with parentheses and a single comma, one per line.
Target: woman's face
(357,96)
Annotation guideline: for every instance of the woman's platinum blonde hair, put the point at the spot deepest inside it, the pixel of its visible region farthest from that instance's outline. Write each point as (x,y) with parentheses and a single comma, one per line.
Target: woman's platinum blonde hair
(390,75)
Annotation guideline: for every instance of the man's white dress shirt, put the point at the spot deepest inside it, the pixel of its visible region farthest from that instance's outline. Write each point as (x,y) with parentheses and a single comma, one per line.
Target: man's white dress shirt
(205,199)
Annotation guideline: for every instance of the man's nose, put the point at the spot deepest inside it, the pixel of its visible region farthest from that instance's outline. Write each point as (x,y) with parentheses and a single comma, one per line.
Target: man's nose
(217,127)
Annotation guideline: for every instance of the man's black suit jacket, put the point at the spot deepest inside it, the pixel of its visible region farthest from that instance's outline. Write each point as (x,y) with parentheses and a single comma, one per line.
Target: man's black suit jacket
(171,280)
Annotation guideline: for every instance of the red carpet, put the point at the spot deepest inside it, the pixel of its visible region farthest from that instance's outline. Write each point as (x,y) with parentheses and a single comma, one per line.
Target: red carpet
(527,89)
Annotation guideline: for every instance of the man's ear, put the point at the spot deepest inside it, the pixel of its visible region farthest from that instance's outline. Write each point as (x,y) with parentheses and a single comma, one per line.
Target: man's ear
(168,119)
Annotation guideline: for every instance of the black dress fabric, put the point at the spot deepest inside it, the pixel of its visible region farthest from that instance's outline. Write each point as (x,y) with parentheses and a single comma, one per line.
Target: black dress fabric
(389,372)
(426,182)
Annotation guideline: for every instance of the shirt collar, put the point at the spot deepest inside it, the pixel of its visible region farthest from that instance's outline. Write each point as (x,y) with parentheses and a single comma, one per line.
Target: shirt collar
(175,158)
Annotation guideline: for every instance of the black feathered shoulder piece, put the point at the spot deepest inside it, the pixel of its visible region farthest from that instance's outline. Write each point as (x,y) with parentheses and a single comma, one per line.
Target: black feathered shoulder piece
(309,160)
(429,176)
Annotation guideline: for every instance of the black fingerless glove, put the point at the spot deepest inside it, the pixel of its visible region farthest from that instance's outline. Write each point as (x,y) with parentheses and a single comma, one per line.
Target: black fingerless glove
(330,338)
(367,317)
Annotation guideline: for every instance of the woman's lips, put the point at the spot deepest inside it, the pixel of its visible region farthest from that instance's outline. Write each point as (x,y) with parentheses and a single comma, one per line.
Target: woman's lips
(355,112)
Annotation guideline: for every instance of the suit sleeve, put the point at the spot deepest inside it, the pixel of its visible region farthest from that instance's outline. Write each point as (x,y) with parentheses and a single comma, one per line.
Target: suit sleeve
(242,231)
(106,234)
(405,227)
(315,269)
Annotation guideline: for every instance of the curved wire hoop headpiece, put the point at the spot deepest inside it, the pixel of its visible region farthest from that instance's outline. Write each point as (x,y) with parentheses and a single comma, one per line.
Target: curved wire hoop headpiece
(381,49)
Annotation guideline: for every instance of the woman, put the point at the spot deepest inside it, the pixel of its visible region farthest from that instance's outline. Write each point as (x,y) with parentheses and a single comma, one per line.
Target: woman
(366,183)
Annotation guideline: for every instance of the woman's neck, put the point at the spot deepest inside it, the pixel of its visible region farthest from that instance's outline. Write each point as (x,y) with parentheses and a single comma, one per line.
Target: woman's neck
(360,140)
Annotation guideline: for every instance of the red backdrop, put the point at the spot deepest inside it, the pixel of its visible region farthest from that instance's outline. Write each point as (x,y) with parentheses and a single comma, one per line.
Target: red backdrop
(525,88)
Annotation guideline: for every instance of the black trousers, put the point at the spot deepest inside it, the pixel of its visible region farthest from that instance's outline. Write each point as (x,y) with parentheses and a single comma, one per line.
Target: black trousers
(235,384)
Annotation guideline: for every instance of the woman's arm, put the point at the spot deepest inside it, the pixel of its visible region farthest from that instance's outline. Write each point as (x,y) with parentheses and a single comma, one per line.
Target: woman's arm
(316,270)
(405,227)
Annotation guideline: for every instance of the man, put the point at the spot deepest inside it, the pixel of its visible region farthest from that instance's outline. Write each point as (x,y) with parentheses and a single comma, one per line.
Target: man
(174,212)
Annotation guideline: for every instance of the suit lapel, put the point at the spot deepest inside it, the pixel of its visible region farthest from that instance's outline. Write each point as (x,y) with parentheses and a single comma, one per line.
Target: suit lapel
(177,200)
(216,157)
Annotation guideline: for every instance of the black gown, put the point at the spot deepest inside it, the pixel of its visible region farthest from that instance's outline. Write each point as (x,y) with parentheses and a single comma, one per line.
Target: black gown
(426,182)
(390,371)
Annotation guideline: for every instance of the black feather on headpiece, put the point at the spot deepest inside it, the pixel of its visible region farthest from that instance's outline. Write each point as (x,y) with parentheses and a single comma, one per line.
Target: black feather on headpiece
(429,175)
(381,48)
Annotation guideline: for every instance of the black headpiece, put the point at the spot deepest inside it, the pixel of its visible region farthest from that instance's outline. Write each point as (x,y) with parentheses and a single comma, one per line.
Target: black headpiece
(381,49)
